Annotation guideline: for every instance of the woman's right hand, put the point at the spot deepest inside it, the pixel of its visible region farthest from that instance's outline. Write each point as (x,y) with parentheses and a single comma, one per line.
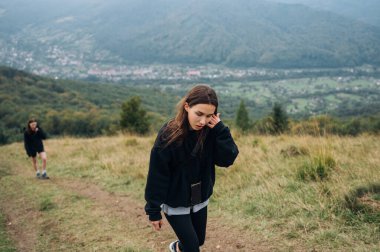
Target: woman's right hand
(157,225)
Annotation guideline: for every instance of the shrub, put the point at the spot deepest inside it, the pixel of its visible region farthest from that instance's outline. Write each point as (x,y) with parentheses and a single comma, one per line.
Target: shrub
(133,117)
(317,169)
(365,201)
(264,126)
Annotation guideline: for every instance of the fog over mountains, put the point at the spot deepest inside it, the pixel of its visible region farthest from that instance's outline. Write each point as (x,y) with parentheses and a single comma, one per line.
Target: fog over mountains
(238,33)
(366,11)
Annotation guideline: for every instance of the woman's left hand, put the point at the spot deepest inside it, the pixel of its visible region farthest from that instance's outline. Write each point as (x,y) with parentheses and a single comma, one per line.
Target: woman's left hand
(157,225)
(214,120)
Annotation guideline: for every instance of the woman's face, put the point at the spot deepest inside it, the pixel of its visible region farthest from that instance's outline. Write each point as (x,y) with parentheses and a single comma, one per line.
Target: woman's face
(33,125)
(199,115)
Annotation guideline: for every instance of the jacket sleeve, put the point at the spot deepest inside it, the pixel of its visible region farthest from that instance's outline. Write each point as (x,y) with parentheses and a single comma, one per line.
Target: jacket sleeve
(41,133)
(225,149)
(26,144)
(157,182)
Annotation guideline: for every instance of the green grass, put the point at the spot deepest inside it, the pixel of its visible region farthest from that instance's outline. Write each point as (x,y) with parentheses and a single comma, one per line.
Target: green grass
(349,96)
(300,92)
(264,193)
(261,193)
(46,204)
(6,245)
(317,169)
(63,219)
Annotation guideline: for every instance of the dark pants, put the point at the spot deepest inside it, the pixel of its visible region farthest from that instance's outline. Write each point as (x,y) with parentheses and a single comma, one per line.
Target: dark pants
(190,229)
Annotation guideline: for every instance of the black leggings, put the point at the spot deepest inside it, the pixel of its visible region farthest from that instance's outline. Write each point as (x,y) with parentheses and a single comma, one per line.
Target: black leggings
(190,229)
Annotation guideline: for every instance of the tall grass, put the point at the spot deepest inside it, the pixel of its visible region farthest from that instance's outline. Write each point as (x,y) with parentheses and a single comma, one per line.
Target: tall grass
(301,198)
(287,190)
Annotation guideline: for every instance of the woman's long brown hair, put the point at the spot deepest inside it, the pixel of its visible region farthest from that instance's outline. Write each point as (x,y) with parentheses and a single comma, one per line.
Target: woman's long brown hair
(28,126)
(177,129)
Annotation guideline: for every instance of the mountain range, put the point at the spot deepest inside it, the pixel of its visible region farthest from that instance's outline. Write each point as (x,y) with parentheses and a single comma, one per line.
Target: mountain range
(365,11)
(239,33)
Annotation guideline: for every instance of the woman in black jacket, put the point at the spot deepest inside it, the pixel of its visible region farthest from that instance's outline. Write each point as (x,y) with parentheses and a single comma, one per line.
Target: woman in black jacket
(33,137)
(181,173)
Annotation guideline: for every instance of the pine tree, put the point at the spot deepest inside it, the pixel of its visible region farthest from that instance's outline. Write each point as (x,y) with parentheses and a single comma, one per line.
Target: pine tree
(133,117)
(242,119)
(280,119)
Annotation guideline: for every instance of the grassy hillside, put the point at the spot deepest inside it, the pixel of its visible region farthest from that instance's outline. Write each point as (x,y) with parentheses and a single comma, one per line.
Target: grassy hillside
(70,107)
(66,107)
(282,194)
(5,244)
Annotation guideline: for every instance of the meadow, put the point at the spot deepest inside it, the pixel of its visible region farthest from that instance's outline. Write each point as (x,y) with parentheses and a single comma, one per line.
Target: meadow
(283,193)
(304,97)
(301,97)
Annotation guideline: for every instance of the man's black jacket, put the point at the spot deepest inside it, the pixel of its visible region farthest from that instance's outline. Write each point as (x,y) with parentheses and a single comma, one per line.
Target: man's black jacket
(33,141)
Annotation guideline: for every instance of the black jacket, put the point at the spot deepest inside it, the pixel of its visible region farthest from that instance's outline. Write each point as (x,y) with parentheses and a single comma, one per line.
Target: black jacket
(33,141)
(173,169)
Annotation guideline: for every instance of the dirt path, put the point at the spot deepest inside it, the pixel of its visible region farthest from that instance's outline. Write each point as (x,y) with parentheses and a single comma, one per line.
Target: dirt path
(220,237)
(23,236)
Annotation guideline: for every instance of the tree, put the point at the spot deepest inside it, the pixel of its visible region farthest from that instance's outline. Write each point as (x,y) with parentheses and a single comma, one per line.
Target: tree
(242,119)
(280,119)
(133,117)
(353,128)
(3,136)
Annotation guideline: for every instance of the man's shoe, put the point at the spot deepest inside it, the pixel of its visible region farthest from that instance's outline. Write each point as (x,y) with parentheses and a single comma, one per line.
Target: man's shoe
(44,176)
(38,175)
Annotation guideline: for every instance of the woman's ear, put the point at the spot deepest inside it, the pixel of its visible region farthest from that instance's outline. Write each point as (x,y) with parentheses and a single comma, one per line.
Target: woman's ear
(186,107)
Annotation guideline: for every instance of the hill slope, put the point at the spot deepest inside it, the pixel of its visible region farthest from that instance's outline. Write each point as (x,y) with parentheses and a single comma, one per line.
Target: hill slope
(69,107)
(365,11)
(235,33)
(89,109)
(251,33)
(94,198)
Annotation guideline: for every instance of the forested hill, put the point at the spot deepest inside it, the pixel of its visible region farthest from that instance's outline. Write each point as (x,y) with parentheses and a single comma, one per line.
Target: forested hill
(89,109)
(69,107)
(365,11)
(244,33)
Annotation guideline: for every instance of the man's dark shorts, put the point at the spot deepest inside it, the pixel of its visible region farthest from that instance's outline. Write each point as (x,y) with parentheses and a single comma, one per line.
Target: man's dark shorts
(33,153)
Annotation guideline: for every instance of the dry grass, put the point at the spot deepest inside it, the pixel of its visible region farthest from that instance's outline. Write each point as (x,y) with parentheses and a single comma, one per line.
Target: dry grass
(263,190)
(260,192)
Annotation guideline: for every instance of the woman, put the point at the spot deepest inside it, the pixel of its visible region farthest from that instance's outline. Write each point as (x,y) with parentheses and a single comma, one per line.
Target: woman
(33,137)
(182,167)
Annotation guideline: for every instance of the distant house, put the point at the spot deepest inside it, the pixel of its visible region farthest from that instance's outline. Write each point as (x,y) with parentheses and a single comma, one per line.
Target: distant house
(193,73)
